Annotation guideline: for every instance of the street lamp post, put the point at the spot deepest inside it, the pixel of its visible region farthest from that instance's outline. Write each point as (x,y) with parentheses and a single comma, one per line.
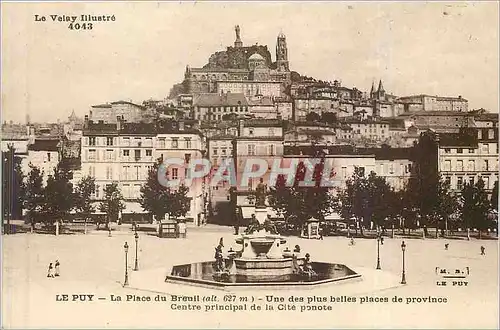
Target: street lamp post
(378,251)
(136,267)
(125,283)
(403,276)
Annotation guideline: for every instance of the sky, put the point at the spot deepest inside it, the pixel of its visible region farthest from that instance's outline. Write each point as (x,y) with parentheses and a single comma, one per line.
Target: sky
(49,70)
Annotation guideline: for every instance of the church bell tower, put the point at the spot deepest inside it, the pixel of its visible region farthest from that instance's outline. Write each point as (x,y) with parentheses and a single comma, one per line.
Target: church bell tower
(282,53)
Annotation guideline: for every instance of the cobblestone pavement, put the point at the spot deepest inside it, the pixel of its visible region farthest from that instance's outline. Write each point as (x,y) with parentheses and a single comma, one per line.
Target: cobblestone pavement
(94,264)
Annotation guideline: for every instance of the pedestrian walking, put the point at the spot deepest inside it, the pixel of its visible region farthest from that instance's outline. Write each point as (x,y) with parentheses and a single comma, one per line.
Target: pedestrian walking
(351,242)
(482,250)
(57,264)
(382,240)
(49,272)
(446,246)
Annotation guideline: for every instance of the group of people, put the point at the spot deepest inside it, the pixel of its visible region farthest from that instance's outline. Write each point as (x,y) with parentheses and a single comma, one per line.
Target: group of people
(53,270)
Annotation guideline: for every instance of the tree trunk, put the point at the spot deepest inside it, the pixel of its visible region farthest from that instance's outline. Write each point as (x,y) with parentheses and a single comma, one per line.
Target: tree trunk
(57,228)
(85,227)
(468,234)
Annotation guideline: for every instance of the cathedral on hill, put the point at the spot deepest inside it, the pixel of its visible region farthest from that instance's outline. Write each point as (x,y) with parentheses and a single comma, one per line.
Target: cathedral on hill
(242,69)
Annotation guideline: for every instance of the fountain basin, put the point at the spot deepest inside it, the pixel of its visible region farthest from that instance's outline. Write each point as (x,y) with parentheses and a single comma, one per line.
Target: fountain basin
(240,240)
(261,246)
(202,274)
(264,267)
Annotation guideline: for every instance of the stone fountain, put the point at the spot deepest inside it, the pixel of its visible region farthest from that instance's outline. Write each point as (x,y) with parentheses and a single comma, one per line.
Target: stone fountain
(262,261)
(262,249)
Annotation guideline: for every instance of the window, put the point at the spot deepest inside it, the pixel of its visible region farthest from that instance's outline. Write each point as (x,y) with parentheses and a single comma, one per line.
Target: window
(97,191)
(471,180)
(251,150)
(137,141)
(447,150)
(92,171)
(460,182)
(175,174)
(215,151)
(484,148)
(187,158)
(271,131)
(491,134)
(447,165)
(479,134)
(126,172)
(161,143)
(148,142)
(471,151)
(471,166)
(188,143)
(109,173)
(223,150)
(175,143)
(460,165)
(137,191)
(109,141)
(126,153)
(486,182)
(137,154)
(109,154)
(250,131)
(492,148)
(92,154)
(271,150)
(149,153)
(137,171)
(344,172)
(362,170)
(447,180)
(391,168)
(126,191)
(460,151)
(48,156)
(92,141)
(126,141)
(485,165)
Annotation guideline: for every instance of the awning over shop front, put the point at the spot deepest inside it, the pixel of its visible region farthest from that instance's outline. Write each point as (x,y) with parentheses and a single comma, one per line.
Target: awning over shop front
(334,216)
(249,210)
(133,207)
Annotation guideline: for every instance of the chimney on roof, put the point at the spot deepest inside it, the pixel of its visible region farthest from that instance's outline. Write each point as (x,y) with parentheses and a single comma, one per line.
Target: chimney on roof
(181,125)
(241,127)
(118,123)
(459,96)
(86,121)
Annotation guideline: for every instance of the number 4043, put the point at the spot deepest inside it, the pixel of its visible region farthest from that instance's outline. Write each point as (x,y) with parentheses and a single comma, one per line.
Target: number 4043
(78,26)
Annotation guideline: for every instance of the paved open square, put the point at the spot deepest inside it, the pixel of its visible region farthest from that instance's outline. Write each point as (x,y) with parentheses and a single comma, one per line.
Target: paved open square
(93,264)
